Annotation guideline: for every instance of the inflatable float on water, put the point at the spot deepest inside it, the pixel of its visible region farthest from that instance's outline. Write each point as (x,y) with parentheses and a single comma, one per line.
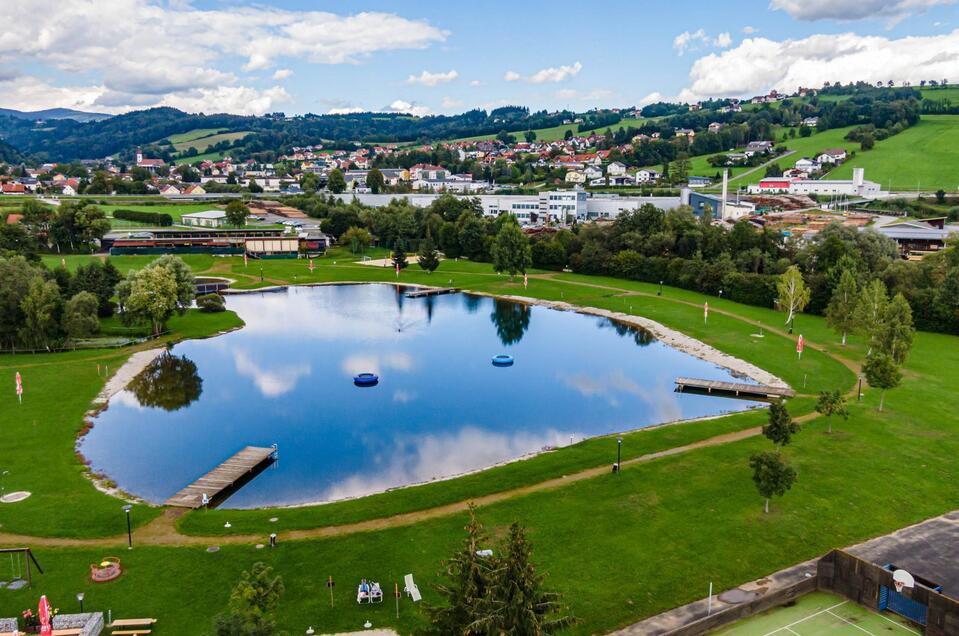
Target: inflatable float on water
(366,379)
(502,360)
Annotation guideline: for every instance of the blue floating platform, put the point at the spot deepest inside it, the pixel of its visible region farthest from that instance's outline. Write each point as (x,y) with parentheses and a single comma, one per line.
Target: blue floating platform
(366,379)
(502,360)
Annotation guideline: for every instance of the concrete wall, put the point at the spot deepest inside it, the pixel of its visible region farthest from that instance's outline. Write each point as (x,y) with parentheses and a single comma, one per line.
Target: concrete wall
(859,580)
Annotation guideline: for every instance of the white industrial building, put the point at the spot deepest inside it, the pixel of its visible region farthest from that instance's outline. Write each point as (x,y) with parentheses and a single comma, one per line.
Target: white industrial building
(559,205)
(855,187)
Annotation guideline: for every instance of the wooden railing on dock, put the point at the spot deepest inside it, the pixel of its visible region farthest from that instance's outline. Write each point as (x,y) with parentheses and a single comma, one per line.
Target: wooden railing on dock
(739,389)
(430,291)
(221,478)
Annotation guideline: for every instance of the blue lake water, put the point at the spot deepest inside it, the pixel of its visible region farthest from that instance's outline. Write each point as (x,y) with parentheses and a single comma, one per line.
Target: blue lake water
(441,408)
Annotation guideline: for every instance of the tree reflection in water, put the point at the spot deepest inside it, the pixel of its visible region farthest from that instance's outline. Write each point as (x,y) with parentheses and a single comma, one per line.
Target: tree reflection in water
(169,382)
(640,336)
(511,320)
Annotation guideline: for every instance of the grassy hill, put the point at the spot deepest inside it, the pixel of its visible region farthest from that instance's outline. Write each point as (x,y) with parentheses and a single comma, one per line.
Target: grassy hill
(192,135)
(924,156)
(202,143)
(558,132)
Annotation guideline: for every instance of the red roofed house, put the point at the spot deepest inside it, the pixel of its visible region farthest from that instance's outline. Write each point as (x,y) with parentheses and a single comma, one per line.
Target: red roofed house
(427,172)
(149,164)
(14,188)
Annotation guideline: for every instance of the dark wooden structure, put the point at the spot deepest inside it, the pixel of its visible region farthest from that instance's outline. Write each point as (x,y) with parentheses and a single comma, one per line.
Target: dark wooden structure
(734,389)
(235,471)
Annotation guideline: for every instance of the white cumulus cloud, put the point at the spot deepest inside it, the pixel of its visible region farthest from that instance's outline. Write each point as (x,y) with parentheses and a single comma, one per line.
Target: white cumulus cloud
(410,108)
(282,73)
(432,79)
(153,52)
(760,64)
(543,76)
(690,40)
(723,40)
(451,102)
(811,10)
(749,30)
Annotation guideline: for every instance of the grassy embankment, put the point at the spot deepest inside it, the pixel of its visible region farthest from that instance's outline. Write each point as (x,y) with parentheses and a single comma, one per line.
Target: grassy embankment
(660,530)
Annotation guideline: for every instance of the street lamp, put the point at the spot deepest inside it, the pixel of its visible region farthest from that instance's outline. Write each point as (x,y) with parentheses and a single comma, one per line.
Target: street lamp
(619,452)
(127,508)
(660,288)
(720,294)
(80,598)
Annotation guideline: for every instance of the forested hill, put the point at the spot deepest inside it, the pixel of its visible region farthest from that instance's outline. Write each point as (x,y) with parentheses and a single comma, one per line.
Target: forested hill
(67,140)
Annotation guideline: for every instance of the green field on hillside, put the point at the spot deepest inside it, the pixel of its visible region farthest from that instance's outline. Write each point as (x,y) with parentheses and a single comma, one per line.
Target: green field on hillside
(923,157)
(176,210)
(555,133)
(191,135)
(951,93)
(202,143)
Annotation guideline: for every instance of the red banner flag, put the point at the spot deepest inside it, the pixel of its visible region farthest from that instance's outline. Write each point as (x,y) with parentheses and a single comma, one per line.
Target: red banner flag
(800,344)
(397,269)
(19,388)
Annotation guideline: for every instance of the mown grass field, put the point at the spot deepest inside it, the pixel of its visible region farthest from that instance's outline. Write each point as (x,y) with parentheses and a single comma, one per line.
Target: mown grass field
(660,529)
(176,210)
(192,135)
(555,133)
(923,157)
(202,143)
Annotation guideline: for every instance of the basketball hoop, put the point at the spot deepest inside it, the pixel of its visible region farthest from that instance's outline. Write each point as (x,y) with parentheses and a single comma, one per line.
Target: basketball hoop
(902,579)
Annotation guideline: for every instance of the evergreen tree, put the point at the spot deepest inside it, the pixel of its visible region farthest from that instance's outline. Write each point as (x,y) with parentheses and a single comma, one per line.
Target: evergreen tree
(429,258)
(832,403)
(781,426)
(466,588)
(841,311)
(399,254)
(518,603)
(771,474)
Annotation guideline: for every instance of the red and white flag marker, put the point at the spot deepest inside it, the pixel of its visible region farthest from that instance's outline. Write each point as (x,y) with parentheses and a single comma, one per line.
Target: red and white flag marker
(525,281)
(311,265)
(397,270)
(706,312)
(799,346)
(19,388)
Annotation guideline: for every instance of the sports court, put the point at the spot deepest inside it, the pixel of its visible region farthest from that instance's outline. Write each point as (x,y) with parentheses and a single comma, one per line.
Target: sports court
(821,614)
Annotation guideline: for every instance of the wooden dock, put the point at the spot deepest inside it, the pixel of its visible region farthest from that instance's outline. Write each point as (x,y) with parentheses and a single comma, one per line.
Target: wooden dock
(738,389)
(228,474)
(430,291)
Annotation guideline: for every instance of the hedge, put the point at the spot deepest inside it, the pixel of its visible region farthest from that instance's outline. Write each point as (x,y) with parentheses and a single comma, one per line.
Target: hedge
(152,218)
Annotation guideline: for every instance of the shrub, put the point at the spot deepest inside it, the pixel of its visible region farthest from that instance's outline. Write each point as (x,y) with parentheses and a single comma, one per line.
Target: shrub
(211,303)
(152,218)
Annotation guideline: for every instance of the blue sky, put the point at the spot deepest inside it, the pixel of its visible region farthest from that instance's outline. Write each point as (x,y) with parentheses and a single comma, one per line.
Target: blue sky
(440,57)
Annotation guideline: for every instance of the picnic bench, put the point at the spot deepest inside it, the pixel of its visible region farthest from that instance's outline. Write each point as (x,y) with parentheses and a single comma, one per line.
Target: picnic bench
(132,622)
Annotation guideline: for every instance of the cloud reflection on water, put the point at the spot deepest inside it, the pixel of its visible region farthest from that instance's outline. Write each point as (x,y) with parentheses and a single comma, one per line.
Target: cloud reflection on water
(271,382)
(664,401)
(411,461)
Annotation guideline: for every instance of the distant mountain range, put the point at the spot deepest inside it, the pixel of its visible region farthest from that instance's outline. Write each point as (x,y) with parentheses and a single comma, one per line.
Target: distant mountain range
(54,113)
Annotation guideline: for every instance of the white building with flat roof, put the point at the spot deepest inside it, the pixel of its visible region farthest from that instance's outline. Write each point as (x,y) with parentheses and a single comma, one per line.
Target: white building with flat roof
(207,218)
(855,187)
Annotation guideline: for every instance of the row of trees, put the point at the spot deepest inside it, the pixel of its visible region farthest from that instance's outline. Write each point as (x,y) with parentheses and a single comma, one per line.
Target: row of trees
(45,309)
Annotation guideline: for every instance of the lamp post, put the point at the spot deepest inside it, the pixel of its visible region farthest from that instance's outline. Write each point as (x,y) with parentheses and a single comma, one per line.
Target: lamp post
(660,288)
(619,452)
(80,598)
(720,294)
(127,508)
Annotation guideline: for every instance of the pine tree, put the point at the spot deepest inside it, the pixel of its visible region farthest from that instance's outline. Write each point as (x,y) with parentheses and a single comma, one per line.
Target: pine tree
(781,426)
(399,254)
(518,604)
(466,588)
(429,258)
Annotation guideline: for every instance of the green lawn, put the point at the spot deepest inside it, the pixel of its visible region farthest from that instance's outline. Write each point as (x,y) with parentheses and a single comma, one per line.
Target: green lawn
(951,93)
(555,133)
(923,157)
(661,530)
(176,210)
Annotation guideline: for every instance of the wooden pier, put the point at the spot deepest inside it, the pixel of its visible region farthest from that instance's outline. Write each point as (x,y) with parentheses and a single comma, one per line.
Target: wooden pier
(430,291)
(234,471)
(737,389)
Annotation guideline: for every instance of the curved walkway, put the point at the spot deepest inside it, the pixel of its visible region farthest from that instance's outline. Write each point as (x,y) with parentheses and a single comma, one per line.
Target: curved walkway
(162,531)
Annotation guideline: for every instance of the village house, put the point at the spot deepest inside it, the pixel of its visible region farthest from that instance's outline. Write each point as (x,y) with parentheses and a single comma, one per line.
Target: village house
(616,169)
(832,155)
(427,172)
(758,148)
(647,175)
(715,127)
(574,176)
(810,122)
(148,164)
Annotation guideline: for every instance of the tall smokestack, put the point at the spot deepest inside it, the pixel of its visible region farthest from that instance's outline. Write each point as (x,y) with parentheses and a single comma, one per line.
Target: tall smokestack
(858,176)
(722,204)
